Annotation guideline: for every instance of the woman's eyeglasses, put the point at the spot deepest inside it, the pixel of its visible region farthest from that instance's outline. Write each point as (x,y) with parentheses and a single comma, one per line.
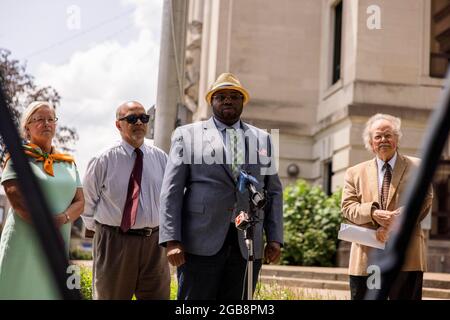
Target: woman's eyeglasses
(133,118)
(41,121)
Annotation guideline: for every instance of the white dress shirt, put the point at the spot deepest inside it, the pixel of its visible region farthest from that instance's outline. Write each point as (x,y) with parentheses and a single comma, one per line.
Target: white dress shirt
(222,127)
(106,183)
(382,171)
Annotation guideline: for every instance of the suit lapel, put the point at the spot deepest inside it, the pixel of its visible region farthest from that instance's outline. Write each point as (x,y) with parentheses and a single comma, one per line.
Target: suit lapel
(214,138)
(252,162)
(248,136)
(397,174)
(372,174)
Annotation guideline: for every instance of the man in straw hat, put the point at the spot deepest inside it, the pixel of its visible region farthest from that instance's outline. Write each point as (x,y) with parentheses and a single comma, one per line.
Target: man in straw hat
(200,198)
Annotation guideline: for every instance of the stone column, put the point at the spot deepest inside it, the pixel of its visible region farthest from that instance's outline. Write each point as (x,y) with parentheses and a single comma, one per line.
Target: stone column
(171,70)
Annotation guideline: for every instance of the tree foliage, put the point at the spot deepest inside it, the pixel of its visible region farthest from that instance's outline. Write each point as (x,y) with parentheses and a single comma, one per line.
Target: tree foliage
(20,90)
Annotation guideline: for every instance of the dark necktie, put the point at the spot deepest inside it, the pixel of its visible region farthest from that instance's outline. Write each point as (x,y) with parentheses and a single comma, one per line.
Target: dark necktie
(386,183)
(134,188)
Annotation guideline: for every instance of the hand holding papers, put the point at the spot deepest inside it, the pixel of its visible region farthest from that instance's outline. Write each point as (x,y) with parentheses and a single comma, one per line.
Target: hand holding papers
(361,235)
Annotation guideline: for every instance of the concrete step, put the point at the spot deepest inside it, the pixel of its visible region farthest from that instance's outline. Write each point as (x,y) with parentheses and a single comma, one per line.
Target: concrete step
(302,293)
(334,274)
(436,285)
(436,280)
(305,283)
(431,280)
(333,285)
(434,293)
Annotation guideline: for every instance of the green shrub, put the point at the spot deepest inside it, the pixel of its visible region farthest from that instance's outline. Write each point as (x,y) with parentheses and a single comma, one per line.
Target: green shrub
(86,283)
(77,254)
(311,224)
(173,288)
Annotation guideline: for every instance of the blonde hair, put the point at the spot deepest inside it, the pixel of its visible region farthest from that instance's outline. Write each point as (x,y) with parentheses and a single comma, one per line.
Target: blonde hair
(396,127)
(29,111)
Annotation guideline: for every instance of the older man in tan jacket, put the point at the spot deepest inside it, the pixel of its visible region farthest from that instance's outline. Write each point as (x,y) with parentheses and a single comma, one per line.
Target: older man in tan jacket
(371,198)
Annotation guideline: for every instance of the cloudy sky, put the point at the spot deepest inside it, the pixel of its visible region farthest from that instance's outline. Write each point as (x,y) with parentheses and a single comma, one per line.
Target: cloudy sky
(96,54)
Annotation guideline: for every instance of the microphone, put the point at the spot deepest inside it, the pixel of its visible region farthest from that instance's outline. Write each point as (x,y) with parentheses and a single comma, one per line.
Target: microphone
(247,181)
(242,221)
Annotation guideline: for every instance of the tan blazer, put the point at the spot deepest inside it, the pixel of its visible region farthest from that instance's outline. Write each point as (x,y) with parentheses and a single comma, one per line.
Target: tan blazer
(361,193)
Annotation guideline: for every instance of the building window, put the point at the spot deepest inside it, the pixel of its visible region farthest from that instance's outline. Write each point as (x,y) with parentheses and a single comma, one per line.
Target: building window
(440,38)
(440,227)
(337,41)
(327,176)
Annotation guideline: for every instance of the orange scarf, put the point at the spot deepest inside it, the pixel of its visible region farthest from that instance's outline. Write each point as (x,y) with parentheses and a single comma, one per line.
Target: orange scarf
(35,152)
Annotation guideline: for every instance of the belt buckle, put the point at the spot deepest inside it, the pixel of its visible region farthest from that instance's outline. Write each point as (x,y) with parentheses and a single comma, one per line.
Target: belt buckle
(148,232)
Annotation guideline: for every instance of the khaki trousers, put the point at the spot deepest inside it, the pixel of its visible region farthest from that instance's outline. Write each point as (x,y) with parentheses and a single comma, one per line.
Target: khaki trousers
(126,265)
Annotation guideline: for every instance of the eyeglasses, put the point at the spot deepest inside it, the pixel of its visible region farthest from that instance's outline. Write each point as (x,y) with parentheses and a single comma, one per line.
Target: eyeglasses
(41,121)
(233,97)
(133,118)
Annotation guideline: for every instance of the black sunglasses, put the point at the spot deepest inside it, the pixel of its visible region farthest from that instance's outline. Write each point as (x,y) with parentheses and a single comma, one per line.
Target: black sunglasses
(132,118)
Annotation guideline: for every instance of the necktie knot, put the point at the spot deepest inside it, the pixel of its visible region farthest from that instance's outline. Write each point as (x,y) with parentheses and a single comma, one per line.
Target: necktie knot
(138,152)
(232,132)
(387,166)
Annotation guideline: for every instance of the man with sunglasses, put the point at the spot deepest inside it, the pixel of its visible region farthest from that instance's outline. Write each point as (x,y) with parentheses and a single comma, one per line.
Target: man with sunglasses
(122,187)
(201,199)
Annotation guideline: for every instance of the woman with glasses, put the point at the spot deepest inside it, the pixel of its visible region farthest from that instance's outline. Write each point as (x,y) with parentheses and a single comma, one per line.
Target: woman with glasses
(24,271)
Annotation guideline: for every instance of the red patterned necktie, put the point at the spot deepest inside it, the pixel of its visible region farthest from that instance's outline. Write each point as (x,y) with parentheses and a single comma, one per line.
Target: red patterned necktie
(134,188)
(385,186)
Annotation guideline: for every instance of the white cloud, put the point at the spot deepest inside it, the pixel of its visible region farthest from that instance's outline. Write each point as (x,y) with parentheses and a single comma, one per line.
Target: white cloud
(95,81)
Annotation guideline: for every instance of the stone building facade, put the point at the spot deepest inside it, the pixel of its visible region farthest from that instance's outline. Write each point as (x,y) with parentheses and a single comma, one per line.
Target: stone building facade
(318,69)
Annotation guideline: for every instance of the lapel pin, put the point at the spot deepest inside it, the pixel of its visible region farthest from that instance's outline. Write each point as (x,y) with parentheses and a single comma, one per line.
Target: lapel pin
(262,152)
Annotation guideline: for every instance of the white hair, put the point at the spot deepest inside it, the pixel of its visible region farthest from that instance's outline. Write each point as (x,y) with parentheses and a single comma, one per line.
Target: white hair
(29,111)
(396,127)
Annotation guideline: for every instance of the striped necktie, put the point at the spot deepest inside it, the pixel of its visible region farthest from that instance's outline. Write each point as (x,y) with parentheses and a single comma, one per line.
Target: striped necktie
(236,152)
(385,186)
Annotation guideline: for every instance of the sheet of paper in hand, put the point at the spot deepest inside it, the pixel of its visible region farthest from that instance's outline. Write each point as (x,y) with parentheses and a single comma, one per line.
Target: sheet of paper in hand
(361,235)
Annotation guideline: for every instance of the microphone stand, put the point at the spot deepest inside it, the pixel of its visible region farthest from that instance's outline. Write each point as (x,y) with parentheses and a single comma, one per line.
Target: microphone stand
(246,222)
(248,236)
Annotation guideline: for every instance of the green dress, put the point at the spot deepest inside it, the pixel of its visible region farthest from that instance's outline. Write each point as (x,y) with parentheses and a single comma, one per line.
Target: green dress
(24,271)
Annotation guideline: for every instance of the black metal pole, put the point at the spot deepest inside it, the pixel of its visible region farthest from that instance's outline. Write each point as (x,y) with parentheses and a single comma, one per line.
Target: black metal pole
(249,236)
(50,238)
(391,260)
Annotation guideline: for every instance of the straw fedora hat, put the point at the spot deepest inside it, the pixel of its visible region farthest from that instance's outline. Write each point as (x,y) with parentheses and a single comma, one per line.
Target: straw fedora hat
(227,81)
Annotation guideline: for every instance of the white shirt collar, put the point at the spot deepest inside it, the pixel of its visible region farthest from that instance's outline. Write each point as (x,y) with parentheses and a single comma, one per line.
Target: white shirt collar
(391,162)
(129,149)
